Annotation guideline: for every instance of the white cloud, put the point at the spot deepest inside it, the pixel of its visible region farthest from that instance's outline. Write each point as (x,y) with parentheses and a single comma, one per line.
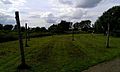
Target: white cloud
(7,9)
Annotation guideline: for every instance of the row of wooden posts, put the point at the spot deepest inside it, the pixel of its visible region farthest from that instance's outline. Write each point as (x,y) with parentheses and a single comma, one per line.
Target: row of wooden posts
(23,64)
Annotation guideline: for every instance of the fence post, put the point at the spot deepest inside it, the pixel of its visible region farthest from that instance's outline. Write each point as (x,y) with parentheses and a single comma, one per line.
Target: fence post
(72,32)
(108,33)
(26,35)
(23,64)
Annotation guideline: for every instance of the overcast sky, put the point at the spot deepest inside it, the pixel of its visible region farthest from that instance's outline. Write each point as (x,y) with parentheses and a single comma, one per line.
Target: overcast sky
(46,12)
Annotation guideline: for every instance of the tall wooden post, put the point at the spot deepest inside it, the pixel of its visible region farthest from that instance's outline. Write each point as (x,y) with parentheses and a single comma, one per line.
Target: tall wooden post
(72,32)
(23,64)
(108,33)
(26,35)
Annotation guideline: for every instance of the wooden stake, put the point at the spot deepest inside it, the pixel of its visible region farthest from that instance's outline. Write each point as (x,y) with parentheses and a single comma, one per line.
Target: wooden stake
(108,33)
(72,32)
(26,35)
(23,64)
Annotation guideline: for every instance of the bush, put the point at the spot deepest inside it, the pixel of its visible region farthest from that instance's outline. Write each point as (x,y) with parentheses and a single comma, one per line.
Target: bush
(33,35)
(7,37)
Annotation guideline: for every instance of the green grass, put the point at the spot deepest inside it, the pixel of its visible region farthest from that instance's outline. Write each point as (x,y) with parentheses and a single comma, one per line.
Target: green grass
(59,53)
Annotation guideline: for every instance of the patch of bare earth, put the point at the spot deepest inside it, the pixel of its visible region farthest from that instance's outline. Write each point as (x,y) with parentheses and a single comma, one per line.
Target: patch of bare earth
(111,66)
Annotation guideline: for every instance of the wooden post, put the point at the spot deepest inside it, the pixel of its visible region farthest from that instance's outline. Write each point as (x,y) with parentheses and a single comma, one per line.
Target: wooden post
(23,64)
(72,32)
(26,35)
(108,33)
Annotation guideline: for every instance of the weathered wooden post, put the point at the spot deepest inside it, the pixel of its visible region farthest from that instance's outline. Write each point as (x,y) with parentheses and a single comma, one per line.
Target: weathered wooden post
(72,32)
(108,33)
(26,35)
(23,64)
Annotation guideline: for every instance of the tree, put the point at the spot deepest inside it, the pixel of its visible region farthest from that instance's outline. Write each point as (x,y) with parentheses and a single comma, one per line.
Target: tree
(83,25)
(43,29)
(22,29)
(37,29)
(76,26)
(53,28)
(64,26)
(8,27)
(61,27)
(15,28)
(111,17)
(1,26)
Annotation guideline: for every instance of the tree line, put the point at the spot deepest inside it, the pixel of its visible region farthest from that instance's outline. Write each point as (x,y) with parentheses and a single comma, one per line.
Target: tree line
(62,27)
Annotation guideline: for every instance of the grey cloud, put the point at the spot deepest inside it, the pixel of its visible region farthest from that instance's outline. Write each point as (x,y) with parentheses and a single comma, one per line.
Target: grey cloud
(10,21)
(81,3)
(35,16)
(6,19)
(87,3)
(6,1)
(69,2)
(51,19)
(2,18)
(77,14)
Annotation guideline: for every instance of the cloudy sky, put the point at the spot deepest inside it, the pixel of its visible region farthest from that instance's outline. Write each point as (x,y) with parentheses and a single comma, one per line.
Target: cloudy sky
(46,12)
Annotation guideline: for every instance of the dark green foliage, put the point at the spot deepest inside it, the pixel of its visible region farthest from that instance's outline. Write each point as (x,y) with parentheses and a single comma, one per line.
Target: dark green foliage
(112,16)
(4,37)
(83,25)
(64,26)
(61,27)
(8,27)
(39,34)
(1,27)
(22,29)
(76,26)
(43,29)
(53,28)
(38,29)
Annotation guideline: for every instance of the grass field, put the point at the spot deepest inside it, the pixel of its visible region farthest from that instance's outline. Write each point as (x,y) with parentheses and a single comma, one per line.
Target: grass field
(59,53)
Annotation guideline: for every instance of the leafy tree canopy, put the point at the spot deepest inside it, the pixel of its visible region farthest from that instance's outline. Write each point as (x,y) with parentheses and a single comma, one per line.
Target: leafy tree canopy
(8,27)
(111,17)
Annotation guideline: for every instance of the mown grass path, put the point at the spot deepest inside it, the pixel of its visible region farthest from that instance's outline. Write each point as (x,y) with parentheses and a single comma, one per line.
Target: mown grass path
(59,53)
